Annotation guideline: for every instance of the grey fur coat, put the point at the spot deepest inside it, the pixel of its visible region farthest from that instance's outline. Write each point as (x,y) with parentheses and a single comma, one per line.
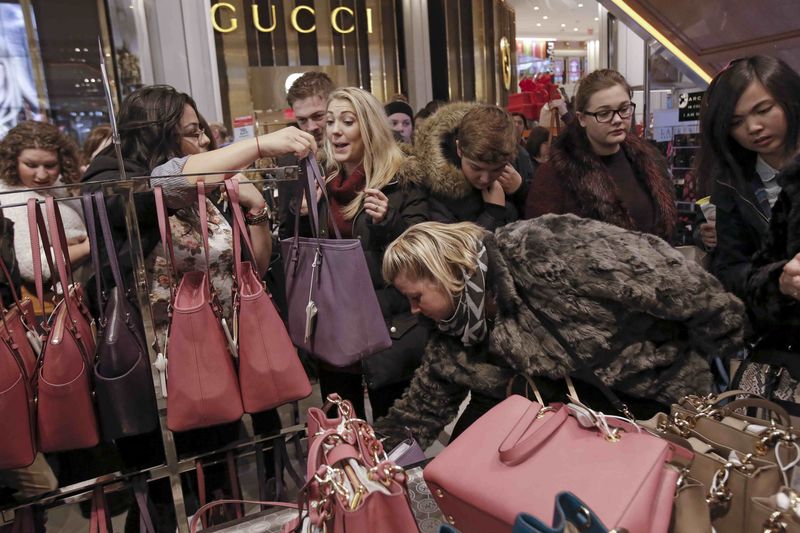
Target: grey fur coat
(643,318)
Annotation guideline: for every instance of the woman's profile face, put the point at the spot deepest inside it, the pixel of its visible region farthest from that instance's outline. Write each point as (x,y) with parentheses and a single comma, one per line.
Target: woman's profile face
(37,167)
(194,139)
(426,297)
(759,122)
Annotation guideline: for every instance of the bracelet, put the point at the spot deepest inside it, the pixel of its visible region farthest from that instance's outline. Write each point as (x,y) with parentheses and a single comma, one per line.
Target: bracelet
(259,218)
(259,148)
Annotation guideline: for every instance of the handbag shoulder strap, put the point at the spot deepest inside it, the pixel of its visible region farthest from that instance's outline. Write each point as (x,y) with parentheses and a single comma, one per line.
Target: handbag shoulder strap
(166,239)
(240,231)
(38,229)
(312,178)
(91,229)
(203,208)
(581,371)
(111,251)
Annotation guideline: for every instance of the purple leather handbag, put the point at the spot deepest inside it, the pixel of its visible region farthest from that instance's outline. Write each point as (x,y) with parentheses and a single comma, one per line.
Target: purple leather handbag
(126,399)
(333,312)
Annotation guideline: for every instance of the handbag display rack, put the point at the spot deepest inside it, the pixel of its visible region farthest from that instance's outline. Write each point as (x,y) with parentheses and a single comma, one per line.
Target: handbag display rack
(252,446)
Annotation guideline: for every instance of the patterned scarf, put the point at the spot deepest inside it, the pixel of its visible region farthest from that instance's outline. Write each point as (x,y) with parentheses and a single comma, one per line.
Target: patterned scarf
(342,190)
(469,319)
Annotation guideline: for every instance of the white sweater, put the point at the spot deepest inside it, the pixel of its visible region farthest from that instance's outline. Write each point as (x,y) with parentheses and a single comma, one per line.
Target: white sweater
(71,214)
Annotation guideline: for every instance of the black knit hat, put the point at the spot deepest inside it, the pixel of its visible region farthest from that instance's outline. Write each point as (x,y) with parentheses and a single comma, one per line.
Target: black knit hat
(399,107)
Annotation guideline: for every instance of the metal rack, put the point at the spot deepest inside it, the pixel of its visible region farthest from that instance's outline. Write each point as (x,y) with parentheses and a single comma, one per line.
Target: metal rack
(173,466)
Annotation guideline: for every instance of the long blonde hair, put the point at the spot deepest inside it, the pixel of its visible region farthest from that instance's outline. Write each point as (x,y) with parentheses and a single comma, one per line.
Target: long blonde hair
(382,156)
(435,252)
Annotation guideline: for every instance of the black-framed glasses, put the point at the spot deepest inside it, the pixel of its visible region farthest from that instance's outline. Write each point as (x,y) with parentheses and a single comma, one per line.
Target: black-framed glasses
(197,135)
(607,115)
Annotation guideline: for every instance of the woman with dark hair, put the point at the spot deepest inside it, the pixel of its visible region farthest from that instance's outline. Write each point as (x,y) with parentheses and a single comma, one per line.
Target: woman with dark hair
(749,126)
(538,146)
(598,169)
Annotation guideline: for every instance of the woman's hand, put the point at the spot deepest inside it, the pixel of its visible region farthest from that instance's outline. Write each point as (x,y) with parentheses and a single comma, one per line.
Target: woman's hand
(376,205)
(510,180)
(790,278)
(289,140)
(708,234)
(494,194)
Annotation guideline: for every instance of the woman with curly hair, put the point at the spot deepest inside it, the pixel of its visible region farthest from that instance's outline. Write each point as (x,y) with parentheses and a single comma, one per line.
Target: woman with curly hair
(35,155)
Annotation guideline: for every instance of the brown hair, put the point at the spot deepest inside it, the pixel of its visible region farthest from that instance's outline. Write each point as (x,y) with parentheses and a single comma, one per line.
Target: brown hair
(597,81)
(312,83)
(30,134)
(536,138)
(487,134)
(96,137)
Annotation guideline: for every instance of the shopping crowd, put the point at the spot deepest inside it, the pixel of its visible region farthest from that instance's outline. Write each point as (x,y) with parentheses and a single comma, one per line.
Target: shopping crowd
(481,236)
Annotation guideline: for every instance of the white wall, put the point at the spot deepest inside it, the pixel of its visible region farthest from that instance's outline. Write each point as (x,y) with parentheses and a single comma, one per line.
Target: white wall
(183,52)
(630,60)
(418,52)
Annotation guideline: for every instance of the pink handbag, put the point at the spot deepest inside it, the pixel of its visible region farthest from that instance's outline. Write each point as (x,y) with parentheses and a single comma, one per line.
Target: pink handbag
(202,389)
(520,455)
(270,372)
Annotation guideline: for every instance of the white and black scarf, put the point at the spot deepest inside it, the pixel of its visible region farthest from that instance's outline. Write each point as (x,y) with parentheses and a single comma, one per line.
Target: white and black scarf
(469,317)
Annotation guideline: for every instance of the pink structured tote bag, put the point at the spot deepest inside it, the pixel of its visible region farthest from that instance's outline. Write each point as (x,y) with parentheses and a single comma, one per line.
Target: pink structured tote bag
(520,455)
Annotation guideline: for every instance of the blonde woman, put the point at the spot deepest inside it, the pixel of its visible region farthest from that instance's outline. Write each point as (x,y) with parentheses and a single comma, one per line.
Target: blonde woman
(627,305)
(374,194)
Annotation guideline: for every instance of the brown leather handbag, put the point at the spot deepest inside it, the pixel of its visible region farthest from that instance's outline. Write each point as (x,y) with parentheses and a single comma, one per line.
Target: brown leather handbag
(126,400)
(17,404)
(270,372)
(202,389)
(66,416)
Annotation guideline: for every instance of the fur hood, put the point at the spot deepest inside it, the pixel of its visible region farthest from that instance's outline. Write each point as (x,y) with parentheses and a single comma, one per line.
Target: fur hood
(435,147)
(645,319)
(586,177)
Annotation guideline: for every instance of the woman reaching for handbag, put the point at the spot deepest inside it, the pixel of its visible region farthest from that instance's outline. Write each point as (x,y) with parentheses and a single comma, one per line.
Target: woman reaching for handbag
(550,297)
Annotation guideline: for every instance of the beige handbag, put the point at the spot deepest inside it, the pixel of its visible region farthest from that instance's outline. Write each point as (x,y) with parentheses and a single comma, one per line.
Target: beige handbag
(773,515)
(738,459)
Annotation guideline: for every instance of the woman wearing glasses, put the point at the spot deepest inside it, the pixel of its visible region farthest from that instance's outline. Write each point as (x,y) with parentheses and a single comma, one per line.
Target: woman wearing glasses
(598,169)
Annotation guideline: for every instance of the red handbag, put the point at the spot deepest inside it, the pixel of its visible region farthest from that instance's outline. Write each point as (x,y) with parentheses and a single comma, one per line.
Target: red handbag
(520,455)
(270,372)
(202,389)
(66,418)
(17,401)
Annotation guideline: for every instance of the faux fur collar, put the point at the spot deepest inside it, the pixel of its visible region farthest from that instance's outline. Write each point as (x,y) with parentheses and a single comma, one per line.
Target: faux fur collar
(434,142)
(586,177)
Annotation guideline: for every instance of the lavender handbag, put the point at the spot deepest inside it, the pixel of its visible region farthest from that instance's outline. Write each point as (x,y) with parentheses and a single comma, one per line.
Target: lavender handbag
(333,312)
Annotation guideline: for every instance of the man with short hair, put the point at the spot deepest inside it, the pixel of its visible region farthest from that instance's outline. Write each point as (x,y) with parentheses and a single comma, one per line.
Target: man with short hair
(307,97)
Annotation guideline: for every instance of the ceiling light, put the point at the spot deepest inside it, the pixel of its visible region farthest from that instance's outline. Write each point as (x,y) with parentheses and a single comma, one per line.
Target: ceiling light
(580,5)
(536,8)
(596,19)
(563,25)
(574,29)
(544,17)
(538,24)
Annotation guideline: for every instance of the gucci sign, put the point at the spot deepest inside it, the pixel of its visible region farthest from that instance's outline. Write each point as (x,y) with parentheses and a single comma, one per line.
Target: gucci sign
(342,18)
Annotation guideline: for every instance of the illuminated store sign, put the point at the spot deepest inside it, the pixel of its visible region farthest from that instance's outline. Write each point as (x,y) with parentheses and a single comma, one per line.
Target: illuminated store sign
(342,19)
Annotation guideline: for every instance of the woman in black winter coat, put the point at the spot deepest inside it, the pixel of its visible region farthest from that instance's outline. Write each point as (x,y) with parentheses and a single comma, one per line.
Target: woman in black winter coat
(749,123)
(375,194)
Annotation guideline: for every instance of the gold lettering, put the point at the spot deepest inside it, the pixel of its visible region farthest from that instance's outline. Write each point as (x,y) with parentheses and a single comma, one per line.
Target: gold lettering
(257,20)
(369,20)
(215,24)
(295,25)
(336,24)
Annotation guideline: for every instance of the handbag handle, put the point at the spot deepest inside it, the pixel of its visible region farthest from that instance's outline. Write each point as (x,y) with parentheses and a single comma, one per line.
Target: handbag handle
(767,405)
(207,507)
(89,202)
(140,493)
(313,177)
(166,239)
(38,229)
(233,479)
(88,215)
(240,231)
(581,371)
(514,449)
(99,520)
(59,239)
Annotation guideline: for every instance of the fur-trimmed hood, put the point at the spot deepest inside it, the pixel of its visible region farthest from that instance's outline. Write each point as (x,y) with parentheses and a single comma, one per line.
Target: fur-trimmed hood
(434,144)
(585,176)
